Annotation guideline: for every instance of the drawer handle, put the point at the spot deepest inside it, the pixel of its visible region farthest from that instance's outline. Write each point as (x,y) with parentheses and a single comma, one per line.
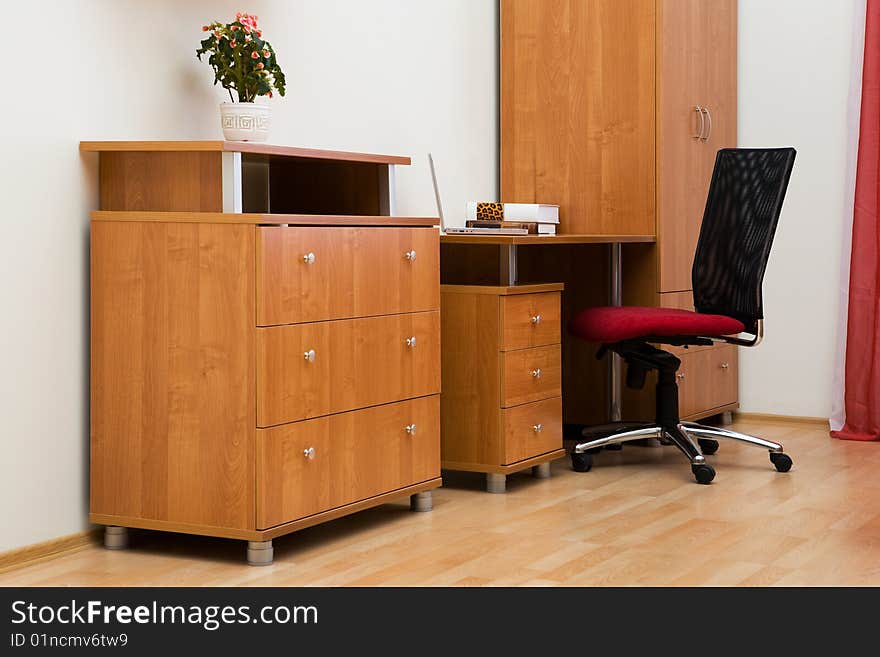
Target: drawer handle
(538,428)
(680,376)
(410,255)
(309,258)
(410,429)
(537,373)
(411,342)
(725,366)
(309,453)
(309,355)
(537,319)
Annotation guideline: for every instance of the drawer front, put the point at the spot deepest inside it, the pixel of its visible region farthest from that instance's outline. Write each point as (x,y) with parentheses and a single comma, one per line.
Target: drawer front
(314,274)
(308,370)
(316,465)
(707,379)
(532,429)
(529,375)
(530,320)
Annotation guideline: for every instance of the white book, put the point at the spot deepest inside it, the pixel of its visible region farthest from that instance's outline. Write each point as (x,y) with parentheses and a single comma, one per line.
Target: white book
(533,212)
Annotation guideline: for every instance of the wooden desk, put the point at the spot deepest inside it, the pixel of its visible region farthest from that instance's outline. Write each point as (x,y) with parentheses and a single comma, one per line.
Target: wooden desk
(508,274)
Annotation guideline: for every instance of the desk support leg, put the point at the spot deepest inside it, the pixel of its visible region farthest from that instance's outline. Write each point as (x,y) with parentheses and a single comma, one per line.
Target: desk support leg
(421,502)
(115,538)
(496,483)
(507,273)
(615,367)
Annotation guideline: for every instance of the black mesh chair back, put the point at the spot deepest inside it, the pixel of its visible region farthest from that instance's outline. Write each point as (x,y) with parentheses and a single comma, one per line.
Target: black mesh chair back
(742,210)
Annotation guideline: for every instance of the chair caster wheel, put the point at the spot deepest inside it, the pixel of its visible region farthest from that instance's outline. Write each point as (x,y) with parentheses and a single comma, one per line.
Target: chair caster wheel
(781,461)
(703,473)
(707,445)
(581,462)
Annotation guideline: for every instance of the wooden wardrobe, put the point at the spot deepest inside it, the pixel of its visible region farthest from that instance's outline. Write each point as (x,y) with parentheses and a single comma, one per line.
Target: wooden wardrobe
(615,109)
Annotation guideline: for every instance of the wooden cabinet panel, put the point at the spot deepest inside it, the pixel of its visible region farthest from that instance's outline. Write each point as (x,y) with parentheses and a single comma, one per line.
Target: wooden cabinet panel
(532,429)
(314,274)
(529,375)
(577,111)
(307,370)
(316,465)
(696,68)
(172,384)
(707,379)
(530,320)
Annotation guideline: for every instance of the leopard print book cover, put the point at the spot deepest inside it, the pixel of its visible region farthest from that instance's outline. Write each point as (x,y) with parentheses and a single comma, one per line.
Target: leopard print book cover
(490,212)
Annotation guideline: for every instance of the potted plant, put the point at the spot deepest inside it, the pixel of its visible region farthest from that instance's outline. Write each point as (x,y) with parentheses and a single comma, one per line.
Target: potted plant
(243,62)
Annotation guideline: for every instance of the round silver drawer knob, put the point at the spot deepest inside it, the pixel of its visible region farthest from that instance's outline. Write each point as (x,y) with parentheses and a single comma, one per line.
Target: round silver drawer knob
(411,342)
(537,319)
(309,453)
(536,373)
(725,366)
(309,355)
(410,255)
(410,429)
(680,376)
(309,258)
(538,428)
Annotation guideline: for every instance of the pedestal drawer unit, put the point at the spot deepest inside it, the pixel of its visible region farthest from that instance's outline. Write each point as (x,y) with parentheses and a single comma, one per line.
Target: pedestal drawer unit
(254,373)
(501,407)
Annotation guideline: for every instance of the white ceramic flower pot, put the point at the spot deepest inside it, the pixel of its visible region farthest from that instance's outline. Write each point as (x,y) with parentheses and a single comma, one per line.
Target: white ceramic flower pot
(245,121)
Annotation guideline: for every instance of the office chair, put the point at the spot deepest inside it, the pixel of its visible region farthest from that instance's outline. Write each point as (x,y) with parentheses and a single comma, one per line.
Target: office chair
(742,210)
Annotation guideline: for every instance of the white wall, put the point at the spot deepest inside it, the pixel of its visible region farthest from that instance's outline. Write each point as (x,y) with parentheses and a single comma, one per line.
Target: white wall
(387,76)
(794,76)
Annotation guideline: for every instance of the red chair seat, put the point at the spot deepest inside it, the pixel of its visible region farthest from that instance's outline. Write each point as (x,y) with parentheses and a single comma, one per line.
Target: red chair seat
(616,323)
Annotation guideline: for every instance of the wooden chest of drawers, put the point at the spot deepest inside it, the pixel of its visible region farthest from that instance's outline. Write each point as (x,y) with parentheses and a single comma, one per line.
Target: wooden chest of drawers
(501,407)
(254,374)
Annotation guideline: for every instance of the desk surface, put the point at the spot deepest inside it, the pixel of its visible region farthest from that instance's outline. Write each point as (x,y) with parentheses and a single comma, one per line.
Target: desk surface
(543,239)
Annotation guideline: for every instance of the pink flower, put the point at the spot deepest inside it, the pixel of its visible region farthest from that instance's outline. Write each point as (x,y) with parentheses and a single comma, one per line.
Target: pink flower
(261,65)
(266,54)
(255,55)
(216,35)
(269,94)
(259,33)
(232,43)
(233,27)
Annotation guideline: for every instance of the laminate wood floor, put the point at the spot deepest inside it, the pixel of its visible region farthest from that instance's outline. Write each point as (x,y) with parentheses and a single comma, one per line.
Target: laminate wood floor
(636,519)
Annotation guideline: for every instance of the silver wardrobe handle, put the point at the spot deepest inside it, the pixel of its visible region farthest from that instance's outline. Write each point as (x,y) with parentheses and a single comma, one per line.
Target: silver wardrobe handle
(538,428)
(699,110)
(309,258)
(411,342)
(309,355)
(309,453)
(410,255)
(536,373)
(410,429)
(708,123)
(536,319)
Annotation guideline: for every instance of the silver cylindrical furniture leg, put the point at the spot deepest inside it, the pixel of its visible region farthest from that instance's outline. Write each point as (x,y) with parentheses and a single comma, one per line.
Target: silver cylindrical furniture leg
(260,553)
(726,418)
(541,471)
(421,501)
(115,538)
(496,483)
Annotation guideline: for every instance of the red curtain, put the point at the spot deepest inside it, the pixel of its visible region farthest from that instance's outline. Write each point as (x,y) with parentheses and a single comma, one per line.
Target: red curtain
(862,395)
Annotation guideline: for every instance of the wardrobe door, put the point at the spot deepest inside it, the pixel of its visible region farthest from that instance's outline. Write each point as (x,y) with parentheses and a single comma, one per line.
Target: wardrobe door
(696,116)
(578,111)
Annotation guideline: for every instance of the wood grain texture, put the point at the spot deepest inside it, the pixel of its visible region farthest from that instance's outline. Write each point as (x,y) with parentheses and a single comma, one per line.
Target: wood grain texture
(471,364)
(172,380)
(356,272)
(696,66)
(522,439)
(161,182)
(518,325)
(358,455)
(504,290)
(511,468)
(529,375)
(358,362)
(40,552)
(266,219)
(577,111)
(238,147)
(575,238)
(636,519)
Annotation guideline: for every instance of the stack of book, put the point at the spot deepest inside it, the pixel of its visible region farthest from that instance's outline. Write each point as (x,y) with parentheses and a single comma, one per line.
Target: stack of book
(531,218)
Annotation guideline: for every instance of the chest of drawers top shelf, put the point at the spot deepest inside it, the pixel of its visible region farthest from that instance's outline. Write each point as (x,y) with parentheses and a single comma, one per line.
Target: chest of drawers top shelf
(241,177)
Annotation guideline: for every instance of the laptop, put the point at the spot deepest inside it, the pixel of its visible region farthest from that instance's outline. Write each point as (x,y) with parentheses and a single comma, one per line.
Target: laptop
(465,231)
